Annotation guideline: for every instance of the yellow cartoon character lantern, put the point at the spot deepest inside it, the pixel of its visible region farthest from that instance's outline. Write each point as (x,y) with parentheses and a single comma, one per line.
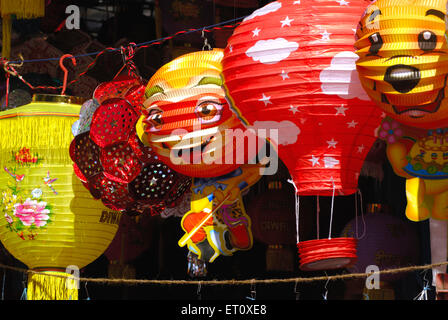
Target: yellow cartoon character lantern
(403,65)
(49,220)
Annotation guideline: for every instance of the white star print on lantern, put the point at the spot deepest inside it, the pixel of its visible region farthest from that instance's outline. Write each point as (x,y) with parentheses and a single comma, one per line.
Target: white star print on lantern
(284,75)
(314,160)
(338,78)
(332,144)
(352,124)
(256,32)
(361,148)
(341,110)
(286,22)
(271,7)
(293,109)
(325,35)
(271,51)
(266,100)
(297,2)
(343,2)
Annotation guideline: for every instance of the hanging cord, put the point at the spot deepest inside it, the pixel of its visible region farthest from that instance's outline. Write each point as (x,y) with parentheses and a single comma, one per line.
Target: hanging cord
(128,54)
(332,208)
(426,287)
(3,284)
(318,217)
(297,199)
(9,70)
(362,216)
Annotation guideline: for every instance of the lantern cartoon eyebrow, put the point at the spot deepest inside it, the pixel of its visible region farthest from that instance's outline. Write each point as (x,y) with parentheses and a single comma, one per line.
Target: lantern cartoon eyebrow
(210,80)
(436,13)
(153,90)
(374,14)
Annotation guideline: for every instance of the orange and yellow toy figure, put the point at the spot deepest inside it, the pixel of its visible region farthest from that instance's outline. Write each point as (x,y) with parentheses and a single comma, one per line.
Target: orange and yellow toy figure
(186,122)
(403,66)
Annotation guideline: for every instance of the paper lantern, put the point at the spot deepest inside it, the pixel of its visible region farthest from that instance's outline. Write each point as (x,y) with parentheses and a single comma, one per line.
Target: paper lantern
(217,223)
(384,240)
(402,60)
(110,159)
(49,220)
(188,117)
(290,68)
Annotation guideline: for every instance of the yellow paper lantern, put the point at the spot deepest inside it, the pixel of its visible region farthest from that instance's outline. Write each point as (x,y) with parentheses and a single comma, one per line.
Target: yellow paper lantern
(403,60)
(49,220)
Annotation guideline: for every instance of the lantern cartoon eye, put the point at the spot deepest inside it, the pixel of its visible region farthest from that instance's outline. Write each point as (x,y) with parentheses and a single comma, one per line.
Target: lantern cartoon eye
(427,40)
(376,43)
(154,119)
(209,111)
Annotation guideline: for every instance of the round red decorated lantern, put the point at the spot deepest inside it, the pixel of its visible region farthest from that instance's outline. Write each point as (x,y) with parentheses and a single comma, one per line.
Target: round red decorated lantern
(290,66)
(110,159)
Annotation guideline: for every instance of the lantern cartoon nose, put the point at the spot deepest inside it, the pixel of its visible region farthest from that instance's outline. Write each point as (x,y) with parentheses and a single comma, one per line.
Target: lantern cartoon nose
(402,78)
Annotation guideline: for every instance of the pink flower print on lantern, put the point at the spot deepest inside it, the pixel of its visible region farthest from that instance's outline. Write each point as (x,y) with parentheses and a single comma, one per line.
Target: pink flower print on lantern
(390,131)
(31,212)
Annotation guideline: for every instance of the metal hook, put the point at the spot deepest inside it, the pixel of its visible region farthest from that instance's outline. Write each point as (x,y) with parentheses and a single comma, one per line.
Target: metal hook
(61,65)
(206,44)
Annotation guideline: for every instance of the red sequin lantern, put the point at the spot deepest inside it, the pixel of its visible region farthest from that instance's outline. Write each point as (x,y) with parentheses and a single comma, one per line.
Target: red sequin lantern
(113,163)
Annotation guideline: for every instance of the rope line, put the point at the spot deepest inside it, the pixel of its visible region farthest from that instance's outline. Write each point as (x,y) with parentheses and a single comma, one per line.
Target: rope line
(233,282)
(9,65)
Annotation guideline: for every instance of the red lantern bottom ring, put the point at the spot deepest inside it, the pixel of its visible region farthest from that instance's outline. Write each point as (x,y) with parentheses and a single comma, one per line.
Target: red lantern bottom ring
(327,254)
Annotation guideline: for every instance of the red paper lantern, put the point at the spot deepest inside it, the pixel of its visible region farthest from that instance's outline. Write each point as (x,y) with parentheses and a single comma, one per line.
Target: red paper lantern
(291,66)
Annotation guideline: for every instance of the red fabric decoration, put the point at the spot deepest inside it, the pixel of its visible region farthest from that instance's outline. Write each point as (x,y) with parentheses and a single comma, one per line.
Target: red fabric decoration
(115,165)
(291,66)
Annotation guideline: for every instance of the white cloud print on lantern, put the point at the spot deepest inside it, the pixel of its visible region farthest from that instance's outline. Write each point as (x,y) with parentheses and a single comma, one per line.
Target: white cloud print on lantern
(271,51)
(341,78)
(287,131)
(271,7)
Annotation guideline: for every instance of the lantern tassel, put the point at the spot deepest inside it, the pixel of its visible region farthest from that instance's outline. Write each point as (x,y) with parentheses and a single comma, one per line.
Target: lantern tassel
(48,287)
(39,133)
(23,9)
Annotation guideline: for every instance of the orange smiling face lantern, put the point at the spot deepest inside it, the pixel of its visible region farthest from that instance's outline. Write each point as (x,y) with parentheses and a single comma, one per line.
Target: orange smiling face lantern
(188,117)
(403,59)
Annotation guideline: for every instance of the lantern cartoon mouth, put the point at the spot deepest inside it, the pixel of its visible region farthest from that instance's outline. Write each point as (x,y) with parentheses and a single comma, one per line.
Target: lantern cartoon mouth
(421,110)
(187,149)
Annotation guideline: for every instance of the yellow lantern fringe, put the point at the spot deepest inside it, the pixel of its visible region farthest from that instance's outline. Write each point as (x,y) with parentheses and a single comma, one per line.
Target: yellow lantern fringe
(47,287)
(41,133)
(23,9)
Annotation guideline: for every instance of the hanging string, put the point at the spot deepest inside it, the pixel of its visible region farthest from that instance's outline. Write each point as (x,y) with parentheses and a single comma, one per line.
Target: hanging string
(332,208)
(318,216)
(3,284)
(362,215)
(297,200)
(135,47)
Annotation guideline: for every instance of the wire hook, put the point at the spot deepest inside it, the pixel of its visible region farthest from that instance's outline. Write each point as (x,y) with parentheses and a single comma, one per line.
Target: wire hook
(325,295)
(61,65)
(206,44)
